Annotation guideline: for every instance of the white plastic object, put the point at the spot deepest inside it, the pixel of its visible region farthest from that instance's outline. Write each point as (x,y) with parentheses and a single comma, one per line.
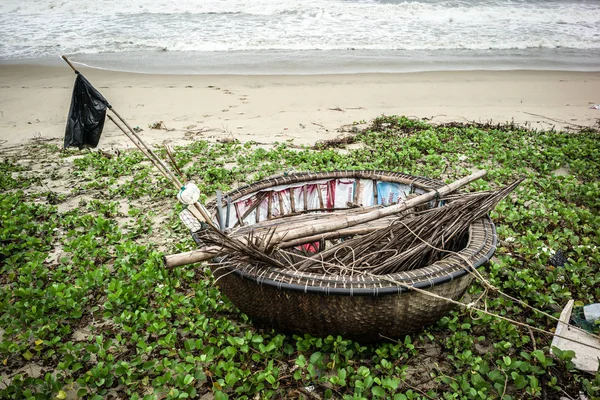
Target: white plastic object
(190,221)
(591,312)
(189,193)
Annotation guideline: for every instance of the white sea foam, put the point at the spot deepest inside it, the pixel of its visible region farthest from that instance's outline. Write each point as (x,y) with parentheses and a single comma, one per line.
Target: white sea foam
(37,28)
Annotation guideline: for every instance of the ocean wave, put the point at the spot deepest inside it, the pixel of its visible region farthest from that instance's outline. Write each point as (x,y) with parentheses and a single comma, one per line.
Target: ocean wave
(33,28)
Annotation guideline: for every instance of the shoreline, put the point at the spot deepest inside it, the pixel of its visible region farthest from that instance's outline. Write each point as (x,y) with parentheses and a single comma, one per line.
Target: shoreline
(300,108)
(327,62)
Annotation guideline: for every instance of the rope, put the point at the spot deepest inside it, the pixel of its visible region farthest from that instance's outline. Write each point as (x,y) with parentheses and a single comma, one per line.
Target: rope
(488,285)
(469,306)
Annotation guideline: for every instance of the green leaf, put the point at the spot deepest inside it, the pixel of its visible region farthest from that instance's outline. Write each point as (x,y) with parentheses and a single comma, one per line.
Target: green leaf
(534,382)
(301,361)
(188,379)
(520,381)
(270,347)
(557,352)
(315,357)
(220,395)
(27,355)
(390,383)
(496,375)
(539,354)
(61,395)
(378,391)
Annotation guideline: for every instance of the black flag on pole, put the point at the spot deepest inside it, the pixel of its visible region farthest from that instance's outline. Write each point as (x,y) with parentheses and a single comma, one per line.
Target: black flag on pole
(86,115)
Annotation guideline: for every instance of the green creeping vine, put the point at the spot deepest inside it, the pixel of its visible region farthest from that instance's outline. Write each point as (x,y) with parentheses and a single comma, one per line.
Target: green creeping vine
(88,311)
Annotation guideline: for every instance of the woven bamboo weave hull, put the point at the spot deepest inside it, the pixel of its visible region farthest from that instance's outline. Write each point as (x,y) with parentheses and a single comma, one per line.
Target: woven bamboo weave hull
(361,318)
(357,307)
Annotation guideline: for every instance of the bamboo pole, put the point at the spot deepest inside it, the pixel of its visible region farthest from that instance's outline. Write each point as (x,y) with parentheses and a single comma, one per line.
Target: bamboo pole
(315,230)
(311,229)
(333,235)
(191,257)
(143,150)
(70,65)
(169,150)
(205,254)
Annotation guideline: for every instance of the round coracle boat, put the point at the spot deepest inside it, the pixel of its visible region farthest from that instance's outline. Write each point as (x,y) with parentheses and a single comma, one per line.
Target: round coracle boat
(360,307)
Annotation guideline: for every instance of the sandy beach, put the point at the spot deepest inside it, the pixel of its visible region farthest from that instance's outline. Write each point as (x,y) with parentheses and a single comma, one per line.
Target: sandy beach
(34,101)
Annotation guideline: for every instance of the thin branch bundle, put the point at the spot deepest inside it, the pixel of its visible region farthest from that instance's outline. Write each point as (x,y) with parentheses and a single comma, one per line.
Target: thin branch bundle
(404,242)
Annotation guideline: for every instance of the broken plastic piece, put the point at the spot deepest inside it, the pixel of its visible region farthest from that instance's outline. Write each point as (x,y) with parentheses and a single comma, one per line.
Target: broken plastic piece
(585,345)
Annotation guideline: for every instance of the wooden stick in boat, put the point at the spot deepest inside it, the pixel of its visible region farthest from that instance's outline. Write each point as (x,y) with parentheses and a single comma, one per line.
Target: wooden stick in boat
(206,253)
(191,257)
(319,230)
(311,228)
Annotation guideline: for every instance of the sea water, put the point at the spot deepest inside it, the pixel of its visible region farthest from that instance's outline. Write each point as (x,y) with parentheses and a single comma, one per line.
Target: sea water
(304,36)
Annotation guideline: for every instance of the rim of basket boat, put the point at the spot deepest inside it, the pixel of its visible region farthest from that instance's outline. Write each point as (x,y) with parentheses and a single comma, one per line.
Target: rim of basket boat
(299,177)
(453,267)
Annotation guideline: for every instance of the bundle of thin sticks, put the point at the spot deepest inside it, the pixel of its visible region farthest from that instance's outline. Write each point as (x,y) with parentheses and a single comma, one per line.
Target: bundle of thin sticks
(409,241)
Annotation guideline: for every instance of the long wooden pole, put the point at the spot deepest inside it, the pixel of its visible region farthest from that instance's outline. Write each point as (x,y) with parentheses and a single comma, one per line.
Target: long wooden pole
(206,253)
(311,229)
(315,230)
(143,150)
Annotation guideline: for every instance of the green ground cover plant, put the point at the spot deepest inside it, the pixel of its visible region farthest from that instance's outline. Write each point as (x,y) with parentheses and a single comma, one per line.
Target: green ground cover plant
(87,309)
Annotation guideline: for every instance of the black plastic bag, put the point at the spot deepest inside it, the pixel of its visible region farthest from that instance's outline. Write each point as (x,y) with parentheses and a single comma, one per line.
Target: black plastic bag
(86,115)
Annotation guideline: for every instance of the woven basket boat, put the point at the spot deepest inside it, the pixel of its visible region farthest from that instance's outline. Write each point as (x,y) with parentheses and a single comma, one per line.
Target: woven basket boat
(358,307)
